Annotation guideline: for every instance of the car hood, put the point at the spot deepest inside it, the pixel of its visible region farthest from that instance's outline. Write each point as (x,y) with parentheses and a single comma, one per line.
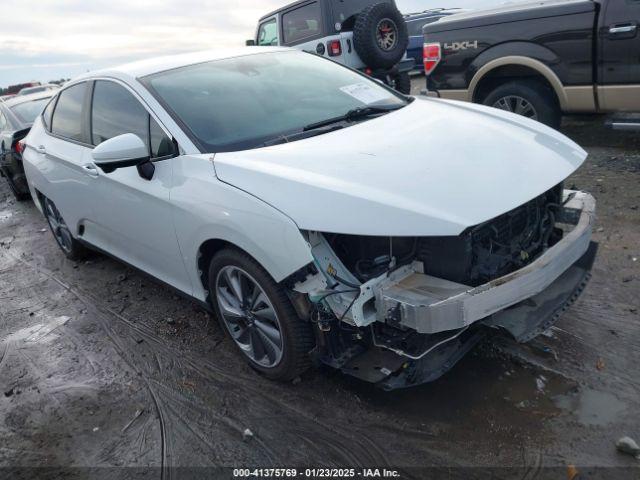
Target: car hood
(434,167)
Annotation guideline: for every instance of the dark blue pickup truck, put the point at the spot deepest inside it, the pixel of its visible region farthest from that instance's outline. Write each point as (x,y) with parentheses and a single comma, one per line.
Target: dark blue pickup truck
(415,22)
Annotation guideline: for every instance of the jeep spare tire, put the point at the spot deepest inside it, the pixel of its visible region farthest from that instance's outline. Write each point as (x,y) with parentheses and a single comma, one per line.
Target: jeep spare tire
(380,35)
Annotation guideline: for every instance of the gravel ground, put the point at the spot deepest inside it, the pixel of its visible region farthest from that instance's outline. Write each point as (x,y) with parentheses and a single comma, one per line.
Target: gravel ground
(101,366)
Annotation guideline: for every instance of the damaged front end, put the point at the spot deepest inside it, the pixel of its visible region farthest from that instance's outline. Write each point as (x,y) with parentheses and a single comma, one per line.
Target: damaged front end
(401,311)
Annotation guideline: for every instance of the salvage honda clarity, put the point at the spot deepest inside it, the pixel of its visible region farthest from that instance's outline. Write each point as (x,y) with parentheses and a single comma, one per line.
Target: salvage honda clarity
(321,215)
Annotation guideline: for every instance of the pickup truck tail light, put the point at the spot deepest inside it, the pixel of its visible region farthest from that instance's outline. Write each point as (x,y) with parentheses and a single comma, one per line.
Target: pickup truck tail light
(335,48)
(431,54)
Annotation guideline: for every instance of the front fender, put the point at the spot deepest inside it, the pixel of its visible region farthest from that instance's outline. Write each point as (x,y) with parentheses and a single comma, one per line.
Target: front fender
(208,209)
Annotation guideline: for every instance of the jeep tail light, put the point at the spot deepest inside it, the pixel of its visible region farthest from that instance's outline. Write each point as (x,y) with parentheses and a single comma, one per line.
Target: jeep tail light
(431,54)
(19,147)
(335,48)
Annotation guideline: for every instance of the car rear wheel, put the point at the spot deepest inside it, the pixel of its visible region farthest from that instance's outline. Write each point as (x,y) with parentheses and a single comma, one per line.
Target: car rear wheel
(72,249)
(380,35)
(530,99)
(258,316)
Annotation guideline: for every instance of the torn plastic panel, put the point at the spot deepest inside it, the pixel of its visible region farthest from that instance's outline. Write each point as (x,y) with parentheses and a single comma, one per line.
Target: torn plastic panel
(416,318)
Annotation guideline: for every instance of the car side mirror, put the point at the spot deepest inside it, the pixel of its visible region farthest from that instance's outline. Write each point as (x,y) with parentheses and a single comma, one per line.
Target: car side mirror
(250,43)
(123,151)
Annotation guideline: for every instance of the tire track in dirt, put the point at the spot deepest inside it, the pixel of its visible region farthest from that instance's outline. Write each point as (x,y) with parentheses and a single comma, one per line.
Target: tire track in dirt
(353,445)
(165,472)
(6,351)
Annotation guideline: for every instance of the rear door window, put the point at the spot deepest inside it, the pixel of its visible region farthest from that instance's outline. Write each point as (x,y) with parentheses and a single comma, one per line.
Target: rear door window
(268,34)
(302,24)
(67,117)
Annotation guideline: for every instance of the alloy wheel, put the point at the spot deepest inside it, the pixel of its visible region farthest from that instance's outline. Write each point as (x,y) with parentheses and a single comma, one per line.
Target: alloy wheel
(60,230)
(387,34)
(518,105)
(249,316)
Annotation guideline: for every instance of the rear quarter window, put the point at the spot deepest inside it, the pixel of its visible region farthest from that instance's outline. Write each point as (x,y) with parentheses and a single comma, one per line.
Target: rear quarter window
(47,113)
(302,24)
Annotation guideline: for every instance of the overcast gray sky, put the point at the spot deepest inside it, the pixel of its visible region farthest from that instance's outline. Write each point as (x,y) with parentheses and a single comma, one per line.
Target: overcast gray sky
(49,39)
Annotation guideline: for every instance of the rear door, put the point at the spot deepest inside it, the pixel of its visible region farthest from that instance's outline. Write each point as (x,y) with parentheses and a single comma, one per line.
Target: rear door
(619,64)
(134,218)
(63,156)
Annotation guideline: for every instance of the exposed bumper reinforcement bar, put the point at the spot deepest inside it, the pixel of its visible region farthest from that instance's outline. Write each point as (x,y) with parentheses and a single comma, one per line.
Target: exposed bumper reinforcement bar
(431,305)
(391,370)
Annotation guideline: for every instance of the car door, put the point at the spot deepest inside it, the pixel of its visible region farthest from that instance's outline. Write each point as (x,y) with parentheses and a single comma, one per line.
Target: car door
(63,155)
(619,66)
(134,214)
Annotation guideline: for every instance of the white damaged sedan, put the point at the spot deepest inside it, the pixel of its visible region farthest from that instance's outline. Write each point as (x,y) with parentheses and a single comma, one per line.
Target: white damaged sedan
(318,213)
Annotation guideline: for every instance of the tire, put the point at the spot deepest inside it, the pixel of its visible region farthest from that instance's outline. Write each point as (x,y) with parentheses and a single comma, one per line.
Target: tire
(541,104)
(401,82)
(71,248)
(380,35)
(282,359)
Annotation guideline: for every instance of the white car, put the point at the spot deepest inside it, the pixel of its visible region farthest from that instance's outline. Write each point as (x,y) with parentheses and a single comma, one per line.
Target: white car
(49,87)
(318,213)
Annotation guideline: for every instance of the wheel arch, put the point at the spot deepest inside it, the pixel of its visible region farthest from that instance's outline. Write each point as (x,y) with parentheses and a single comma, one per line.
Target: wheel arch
(514,65)
(211,246)
(206,252)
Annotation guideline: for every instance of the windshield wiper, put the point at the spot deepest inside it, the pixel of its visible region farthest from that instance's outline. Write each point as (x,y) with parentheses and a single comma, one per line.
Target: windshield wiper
(352,115)
(292,137)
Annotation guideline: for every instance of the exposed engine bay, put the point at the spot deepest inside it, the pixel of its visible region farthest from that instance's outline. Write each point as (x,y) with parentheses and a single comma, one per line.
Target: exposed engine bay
(412,306)
(481,254)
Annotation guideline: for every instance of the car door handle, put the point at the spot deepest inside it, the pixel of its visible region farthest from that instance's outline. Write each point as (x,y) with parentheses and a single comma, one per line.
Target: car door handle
(622,29)
(41,150)
(90,169)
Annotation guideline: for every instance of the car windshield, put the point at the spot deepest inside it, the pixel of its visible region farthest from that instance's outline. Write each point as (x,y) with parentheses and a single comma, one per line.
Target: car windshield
(28,111)
(241,103)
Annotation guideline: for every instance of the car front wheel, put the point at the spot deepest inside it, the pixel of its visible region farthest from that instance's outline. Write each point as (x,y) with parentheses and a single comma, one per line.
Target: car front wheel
(258,316)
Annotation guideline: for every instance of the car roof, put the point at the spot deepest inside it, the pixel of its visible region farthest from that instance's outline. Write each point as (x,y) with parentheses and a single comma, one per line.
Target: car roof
(286,7)
(18,99)
(162,64)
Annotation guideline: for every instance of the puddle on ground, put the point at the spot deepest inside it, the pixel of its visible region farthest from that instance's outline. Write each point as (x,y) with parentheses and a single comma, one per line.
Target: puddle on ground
(40,333)
(591,407)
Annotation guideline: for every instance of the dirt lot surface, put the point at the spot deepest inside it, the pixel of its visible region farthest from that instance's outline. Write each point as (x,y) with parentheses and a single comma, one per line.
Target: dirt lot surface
(100,366)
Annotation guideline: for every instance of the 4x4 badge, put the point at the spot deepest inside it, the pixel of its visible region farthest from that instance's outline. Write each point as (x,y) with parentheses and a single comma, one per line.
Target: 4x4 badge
(456,46)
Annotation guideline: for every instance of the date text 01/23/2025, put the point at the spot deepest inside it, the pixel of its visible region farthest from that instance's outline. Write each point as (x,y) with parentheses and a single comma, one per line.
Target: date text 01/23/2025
(312,473)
